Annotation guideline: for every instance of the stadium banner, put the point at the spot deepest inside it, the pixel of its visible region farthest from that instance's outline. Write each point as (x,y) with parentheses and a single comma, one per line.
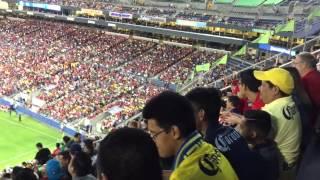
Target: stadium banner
(203,67)
(191,23)
(120,15)
(262,31)
(223,60)
(153,19)
(4,5)
(40,5)
(90,12)
(268,47)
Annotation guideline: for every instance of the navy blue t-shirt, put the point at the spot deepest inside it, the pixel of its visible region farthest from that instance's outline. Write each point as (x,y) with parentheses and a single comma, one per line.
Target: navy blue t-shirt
(247,164)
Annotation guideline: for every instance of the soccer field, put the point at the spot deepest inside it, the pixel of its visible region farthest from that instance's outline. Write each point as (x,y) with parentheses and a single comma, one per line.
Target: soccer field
(18,139)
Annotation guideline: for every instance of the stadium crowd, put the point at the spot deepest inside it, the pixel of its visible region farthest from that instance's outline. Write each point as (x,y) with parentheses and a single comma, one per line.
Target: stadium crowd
(265,127)
(79,71)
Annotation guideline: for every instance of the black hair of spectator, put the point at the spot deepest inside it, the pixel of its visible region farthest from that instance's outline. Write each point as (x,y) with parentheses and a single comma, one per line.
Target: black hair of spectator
(57,145)
(25,174)
(298,90)
(65,155)
(235,101)
(15,171)
(88,143)
(66,139)
(247,79)
(81,164)
(77,135)
(259,121)
(171,109)
(129,154)
(208,99)
(39,145)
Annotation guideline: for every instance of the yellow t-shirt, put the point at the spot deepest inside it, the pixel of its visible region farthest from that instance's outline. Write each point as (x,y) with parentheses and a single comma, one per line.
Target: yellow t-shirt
(205,163)
(286,125)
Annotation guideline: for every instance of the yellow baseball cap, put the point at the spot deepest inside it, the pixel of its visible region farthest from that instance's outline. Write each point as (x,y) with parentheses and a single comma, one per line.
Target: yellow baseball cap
(278,77)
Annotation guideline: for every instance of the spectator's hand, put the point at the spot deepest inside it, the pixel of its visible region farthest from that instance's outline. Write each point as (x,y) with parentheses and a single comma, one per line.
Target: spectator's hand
(228,119)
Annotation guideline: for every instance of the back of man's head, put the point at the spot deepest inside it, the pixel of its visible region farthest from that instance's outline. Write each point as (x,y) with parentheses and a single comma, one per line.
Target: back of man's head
(258,122)
(308,59)
(81,164)
(128,154)
(248,80)
(206,99)
(171,109)
(39,145)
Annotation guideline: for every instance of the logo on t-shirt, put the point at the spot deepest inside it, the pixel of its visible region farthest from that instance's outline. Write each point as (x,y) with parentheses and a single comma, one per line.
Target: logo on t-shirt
(289,112)
(209,163)
(225,140)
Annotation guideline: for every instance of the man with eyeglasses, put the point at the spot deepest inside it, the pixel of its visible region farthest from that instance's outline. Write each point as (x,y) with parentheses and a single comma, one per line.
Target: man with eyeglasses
(171,123)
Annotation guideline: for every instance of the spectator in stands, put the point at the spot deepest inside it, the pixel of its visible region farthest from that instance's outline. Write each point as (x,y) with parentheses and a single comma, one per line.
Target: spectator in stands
(77,138)
(172,125)
(43,154)
(233,104)
(25,174)
(74,149)
(64,159)
(207,104)
(276,89)
(90,150)
(304,105)
(128,154)
(66,143)
(15,171)
(249,89)
(306,64)
(255,129)
(54,170)
(80,167)
(57,150)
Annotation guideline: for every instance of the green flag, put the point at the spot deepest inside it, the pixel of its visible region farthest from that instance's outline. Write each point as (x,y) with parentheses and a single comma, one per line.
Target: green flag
(223,60)
(263,39)
(313,14)
(242,51)
(203,67)
(289,27)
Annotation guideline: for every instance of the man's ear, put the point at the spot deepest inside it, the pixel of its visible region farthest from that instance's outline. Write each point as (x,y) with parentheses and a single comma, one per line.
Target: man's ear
(175,132)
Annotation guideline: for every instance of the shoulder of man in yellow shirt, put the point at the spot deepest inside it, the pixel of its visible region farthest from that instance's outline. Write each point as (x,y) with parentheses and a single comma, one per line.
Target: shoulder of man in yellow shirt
(206,163)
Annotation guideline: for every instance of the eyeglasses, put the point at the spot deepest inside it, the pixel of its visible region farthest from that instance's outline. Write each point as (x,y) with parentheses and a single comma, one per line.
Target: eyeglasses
(154,136)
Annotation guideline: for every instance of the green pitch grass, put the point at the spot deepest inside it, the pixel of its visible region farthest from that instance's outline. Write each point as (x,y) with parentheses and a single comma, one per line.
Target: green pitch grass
(18,139)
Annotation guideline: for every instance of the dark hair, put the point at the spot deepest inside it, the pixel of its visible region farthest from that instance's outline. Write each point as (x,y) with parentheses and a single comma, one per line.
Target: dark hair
(170,108)
(66,139)
(15,171)
(308,59)
(298,90)
(208,99)
(25,174)
(65,155)
(247,78)
(81,164)
(88,143)
(271,85)
(77,135)
(39,145)
(235,101)
(129,154)
(258,121)
(57,145)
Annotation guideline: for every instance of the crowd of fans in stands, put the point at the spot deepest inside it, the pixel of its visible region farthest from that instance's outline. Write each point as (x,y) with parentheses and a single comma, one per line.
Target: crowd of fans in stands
(267,128)
(79,71)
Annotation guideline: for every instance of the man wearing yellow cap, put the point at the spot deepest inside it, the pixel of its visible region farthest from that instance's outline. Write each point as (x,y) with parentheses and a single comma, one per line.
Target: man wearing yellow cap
(276,88)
